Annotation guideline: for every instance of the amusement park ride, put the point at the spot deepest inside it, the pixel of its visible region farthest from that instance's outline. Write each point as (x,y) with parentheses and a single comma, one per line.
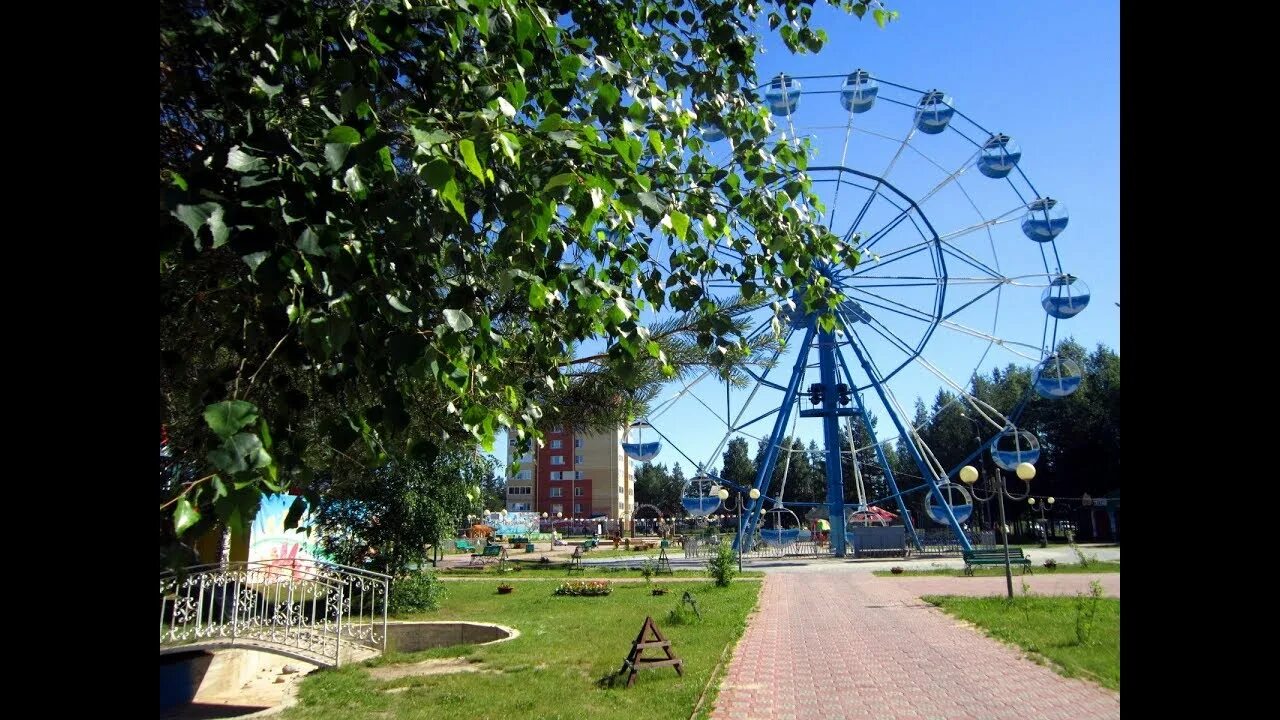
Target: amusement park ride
(938,251)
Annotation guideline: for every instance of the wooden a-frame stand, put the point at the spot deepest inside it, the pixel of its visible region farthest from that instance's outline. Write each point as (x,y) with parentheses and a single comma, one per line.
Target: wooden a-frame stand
(635,663)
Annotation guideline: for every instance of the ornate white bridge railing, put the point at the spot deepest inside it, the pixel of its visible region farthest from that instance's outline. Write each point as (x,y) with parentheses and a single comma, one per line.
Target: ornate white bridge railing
(296,607)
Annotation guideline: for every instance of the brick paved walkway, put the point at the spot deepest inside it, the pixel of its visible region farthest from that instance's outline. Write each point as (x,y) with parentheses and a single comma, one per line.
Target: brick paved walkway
(843,645)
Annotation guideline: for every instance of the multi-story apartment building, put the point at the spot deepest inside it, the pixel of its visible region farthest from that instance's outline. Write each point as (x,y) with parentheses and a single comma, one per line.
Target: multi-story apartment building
(573,474)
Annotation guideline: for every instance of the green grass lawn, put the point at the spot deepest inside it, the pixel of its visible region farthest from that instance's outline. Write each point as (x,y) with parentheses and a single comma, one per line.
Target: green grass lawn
(1046,628)
(532,568)
(998,570)
(555,669)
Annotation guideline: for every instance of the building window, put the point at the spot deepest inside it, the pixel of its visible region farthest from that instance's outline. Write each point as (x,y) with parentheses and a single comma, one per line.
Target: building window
(557,459)
(577,492)
(577,459)
(557,492)
(524,475)
(577,442)
(577,475)
(557,444)
(555,475)
(557,429)
(557,509)
(577,508)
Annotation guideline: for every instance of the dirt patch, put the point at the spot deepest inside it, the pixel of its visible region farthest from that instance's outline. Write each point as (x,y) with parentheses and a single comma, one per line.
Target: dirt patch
(443,666)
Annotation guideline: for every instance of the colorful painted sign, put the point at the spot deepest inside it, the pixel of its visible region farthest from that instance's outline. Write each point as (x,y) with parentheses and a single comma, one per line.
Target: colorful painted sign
(519,524)
(282,551)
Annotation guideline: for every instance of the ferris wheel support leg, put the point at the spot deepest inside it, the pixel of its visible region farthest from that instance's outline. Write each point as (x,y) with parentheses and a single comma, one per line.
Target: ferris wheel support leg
(925,471)
(884,462)
(831,438)
(765,471)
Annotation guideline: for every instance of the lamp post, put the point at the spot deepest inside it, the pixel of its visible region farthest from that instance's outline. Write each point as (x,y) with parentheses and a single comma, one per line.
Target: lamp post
(996,485)
(738,506)
(1044,527)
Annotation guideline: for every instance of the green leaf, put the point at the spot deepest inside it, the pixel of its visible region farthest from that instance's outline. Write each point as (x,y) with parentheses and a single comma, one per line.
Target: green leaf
(249,446)
(450,192)
(506,107)
(506,142)
(184,516)
(524,26)
(880,16)
(384,157)
(309,243)
(298,507)
(395,303)
(561,179)
(241,161)
(270,90)
(210,213)
(679,223)
(437,172)
(468,150)
(227,417)
(609,66)
(227,460)
(253,260)
(264,433)
(343,134)
(537,295)
(651,201)
(430,137)
(178,181)
(354,182)
(457,320)
(655,140)
(336,154)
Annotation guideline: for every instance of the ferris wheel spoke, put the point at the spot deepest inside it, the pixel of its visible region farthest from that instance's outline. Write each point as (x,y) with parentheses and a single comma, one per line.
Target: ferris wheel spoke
(934,280)
(1000,220)
(966,258)
(844,154)
(881,262)
(1006,344)
(880,180)
(883,330)
(894,306)
(951,177)
(889,227)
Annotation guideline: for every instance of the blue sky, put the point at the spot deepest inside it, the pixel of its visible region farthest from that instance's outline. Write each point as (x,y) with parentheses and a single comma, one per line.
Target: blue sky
(1045,73)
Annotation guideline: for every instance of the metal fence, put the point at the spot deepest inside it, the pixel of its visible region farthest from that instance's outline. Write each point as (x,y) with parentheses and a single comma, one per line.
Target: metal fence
(302,608)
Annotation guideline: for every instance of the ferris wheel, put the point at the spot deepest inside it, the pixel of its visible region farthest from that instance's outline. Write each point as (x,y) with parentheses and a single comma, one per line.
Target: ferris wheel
(959,272)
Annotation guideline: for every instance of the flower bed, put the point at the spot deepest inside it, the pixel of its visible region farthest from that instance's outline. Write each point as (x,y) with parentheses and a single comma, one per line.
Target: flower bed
(580,588)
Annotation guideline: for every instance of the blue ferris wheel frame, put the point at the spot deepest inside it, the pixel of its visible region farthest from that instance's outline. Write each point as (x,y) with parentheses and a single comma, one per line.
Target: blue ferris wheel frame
(833,364)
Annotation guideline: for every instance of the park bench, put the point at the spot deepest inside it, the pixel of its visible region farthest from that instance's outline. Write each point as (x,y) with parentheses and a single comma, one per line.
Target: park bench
(491,551)
(974,558)
(463,546)
(590,544)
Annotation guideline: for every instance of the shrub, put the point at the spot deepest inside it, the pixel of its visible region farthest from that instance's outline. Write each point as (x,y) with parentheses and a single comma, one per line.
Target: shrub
(416,592)
(682,615)
(1051,564)
(896,569)
(585,588)
(648,569)
(1085,560)
(722,565)
(505,589)
(1086,612)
